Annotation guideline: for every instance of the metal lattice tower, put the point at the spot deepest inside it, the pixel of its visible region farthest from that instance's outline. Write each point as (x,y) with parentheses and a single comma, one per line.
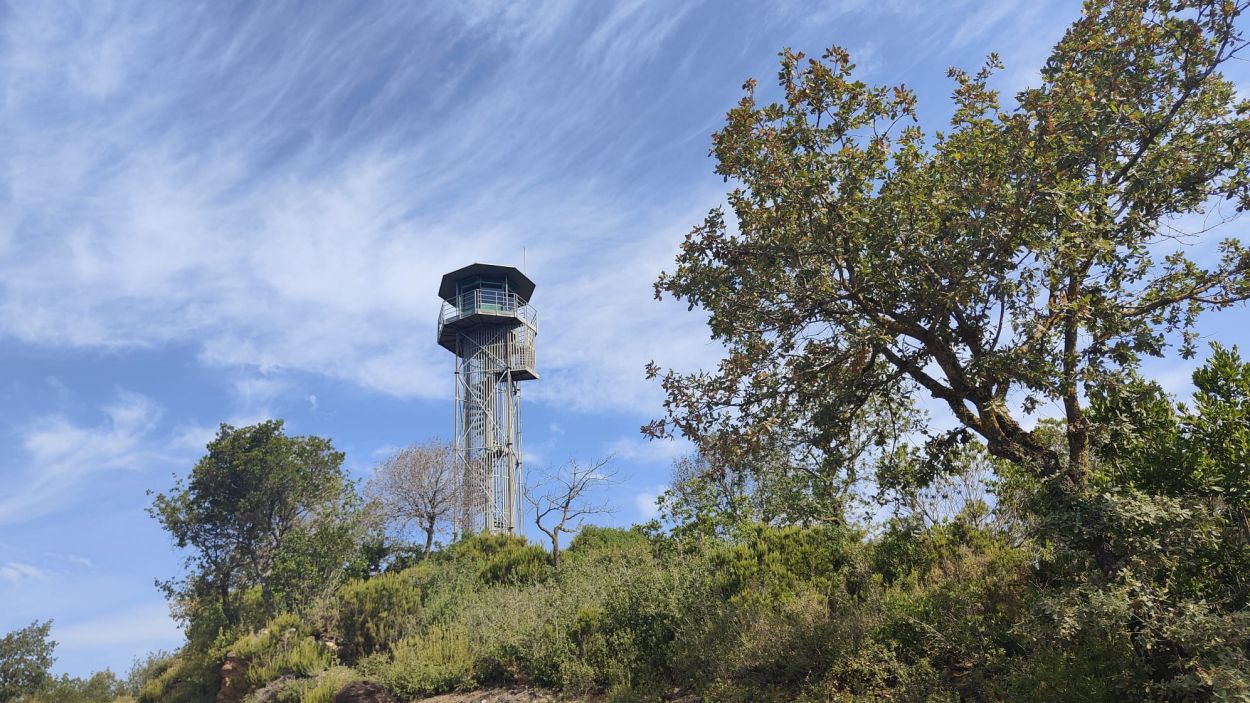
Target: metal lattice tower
(487,322)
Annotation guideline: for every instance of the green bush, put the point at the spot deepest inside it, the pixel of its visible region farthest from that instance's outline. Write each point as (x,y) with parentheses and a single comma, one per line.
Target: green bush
(517,565)
(916,613)
(502,559)
(325,686)
(144,669)
(284,647)
(436,662)
(609,542)
(190,675)
(100,687)
(769,563)
(372,615)
(875,673)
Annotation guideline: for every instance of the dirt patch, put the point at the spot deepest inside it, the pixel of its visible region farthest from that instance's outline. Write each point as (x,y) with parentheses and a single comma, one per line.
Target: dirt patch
(508,695)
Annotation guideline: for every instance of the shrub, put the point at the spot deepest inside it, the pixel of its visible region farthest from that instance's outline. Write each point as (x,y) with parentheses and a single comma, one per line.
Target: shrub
(190,676)
(100,687)
(608,541)
(377,613)
(437,662)
(768,563)
(329,683)
(503,559)
(875,673)
(143,670)
(516,565)
(284,647)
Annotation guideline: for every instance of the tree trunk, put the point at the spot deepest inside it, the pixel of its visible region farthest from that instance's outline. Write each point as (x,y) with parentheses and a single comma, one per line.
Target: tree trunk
(227,609)
(1064,485)
(266,596)
(555,550)
(429,539)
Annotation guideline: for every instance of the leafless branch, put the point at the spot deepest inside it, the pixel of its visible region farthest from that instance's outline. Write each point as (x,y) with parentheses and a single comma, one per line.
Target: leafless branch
(561,499)
(417,487)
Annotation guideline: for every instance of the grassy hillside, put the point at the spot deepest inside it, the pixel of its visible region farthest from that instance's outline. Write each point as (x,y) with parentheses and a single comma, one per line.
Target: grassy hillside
(822,613)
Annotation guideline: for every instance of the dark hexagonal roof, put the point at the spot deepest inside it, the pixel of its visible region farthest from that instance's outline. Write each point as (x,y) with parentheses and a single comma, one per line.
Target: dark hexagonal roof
(517,281)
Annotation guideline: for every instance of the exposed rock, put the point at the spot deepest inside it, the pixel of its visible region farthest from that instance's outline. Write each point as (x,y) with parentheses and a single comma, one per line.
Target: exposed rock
(363,692)
(270,691)
(233,681)
(500,695)
(328,642)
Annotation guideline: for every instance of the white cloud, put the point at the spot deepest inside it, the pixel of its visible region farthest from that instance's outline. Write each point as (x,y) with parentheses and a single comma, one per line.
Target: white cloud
(534,458)
(983,20)
(155,220)
(192,438)
(632,29)
(62,455)
(16,572)
(645,503)
(383,452)
(650,451)
(283,209)
(75,559)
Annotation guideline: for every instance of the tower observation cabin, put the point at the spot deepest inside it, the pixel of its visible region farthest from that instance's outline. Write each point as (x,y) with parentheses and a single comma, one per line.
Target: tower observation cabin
(487,322)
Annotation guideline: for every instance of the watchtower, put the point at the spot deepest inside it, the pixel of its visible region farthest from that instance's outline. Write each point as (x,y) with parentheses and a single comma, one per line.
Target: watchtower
(487,322)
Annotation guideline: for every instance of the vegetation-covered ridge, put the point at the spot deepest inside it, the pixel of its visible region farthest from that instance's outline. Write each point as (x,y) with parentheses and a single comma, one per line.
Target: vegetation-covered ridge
(826,542)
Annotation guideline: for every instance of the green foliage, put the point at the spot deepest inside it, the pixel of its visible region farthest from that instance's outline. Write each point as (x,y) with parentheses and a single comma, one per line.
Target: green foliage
(375,614)
(1013,256)
(876,673)
(503,559)
(145,669)
(327,684)
(25,660)
(261,509)
(770,563)
(190,676)
(1149,443)
(100,687)
(1175,486)
(285,646)
(437,661)
(1218,429)
(788,613)
(376,554)
(593,540)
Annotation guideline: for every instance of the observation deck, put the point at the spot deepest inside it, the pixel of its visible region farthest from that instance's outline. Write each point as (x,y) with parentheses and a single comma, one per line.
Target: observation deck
(484,301)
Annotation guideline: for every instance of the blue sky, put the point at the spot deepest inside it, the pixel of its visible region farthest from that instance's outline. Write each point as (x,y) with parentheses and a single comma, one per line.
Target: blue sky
(232,211)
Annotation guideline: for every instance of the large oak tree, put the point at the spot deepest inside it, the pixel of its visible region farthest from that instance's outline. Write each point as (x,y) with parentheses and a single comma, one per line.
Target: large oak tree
(1008,262)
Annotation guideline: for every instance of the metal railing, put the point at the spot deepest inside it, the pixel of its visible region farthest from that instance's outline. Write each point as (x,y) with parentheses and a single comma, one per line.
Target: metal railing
(522,348)
(489,302)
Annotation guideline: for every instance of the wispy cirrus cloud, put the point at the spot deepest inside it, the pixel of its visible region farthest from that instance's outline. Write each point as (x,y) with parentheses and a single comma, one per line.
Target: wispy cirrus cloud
(299,219)
(60,454)
(15,572)
(280,187)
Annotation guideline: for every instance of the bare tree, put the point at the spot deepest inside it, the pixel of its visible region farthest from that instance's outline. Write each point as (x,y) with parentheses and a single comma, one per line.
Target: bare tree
(561,501)
(416,487)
